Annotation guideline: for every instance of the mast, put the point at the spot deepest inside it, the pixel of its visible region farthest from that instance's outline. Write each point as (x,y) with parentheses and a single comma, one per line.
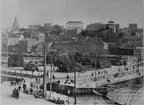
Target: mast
(44,74)
(73,61)
(50,79)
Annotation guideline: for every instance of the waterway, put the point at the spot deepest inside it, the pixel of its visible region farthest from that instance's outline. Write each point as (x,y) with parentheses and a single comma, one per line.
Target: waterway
(127,94)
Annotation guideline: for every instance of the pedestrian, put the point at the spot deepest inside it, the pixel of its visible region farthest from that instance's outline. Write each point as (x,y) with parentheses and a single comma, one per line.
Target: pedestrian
(24,87)
(67,77)
(31,90)
(92,74)
(36,80)
(47,73)
(53,69)
(53,77)
(19,87)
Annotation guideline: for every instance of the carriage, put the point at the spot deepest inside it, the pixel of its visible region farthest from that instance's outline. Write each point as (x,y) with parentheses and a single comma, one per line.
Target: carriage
(15,93)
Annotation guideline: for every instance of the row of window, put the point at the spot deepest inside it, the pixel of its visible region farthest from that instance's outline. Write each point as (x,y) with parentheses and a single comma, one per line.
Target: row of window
(105,72)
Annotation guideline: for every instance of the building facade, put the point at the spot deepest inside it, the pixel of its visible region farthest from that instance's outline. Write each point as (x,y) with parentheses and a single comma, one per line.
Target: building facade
(89,46)
(41,37)
(34,27)
(4,41)
(12,40)
(72,27)
(23,46)
(94,26)
(31,42)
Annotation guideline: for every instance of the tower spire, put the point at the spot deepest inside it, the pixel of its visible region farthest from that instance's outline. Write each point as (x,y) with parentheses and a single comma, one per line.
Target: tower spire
(15,25)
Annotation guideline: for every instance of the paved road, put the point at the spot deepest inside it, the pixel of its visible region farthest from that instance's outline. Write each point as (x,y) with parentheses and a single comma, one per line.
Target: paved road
(7,99)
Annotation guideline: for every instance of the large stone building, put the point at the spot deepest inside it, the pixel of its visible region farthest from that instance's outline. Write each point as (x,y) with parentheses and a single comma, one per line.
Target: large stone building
(34,27)
(39,36)
(106,31)
(90,45)
(133,29)
(4,41)
(112,31)
(31,43)
(23,46)
(14,39)
(94,26)
(72,27)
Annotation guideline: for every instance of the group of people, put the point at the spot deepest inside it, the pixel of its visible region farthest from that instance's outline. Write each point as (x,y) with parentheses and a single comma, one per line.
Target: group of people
(38,80)
(18,85)
(38,93)
(58,101)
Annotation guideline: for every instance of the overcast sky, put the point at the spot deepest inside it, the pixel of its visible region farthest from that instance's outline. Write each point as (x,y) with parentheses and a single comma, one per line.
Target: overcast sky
(61,11)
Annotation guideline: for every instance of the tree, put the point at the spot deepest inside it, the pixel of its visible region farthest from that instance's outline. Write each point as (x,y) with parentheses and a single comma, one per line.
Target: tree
(15,60)
(63,63)
(120,35)
(84,33)
(57,29)
(23,29)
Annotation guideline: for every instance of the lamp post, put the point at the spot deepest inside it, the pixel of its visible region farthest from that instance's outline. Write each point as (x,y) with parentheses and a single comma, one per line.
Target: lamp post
(44,72)
(68,96)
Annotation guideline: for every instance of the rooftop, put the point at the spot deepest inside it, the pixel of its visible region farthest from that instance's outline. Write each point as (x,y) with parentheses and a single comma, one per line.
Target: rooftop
(74,22)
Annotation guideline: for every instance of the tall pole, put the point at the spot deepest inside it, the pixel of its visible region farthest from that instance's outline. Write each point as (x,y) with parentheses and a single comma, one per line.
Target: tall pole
(44,74)
(95,71)
(75,85)
(50,79)
(74,80)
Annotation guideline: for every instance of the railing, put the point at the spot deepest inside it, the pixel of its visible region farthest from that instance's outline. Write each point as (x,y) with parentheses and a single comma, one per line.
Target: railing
(21,72)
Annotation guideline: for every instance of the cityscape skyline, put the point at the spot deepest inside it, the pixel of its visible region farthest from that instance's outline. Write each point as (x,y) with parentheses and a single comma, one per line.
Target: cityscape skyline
(29,12)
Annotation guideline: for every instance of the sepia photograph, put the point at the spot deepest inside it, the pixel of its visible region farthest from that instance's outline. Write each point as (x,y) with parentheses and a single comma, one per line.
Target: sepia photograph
(72,52)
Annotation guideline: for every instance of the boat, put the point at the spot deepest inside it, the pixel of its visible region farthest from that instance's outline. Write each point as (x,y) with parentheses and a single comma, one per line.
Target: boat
(86,83)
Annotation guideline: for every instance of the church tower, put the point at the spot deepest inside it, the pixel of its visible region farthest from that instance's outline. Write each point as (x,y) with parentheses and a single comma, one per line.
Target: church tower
(15,26)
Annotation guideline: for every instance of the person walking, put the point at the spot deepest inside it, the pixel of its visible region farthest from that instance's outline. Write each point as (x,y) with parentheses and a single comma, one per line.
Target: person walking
(67,76)
(16,80)
(19,87)
(39,80)
(24,86)
(92,74)
(36,80)
(53,77)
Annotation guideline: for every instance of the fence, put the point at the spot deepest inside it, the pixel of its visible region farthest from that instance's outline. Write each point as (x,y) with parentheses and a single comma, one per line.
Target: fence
(22,72)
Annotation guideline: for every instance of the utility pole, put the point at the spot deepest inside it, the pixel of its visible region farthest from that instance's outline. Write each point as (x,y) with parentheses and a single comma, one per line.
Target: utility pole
(75,85)
(95,75)
(51,78)
(44,74)
(74,81)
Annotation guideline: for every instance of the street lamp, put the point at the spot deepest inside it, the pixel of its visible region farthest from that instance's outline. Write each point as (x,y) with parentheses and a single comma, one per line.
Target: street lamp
(68,96)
